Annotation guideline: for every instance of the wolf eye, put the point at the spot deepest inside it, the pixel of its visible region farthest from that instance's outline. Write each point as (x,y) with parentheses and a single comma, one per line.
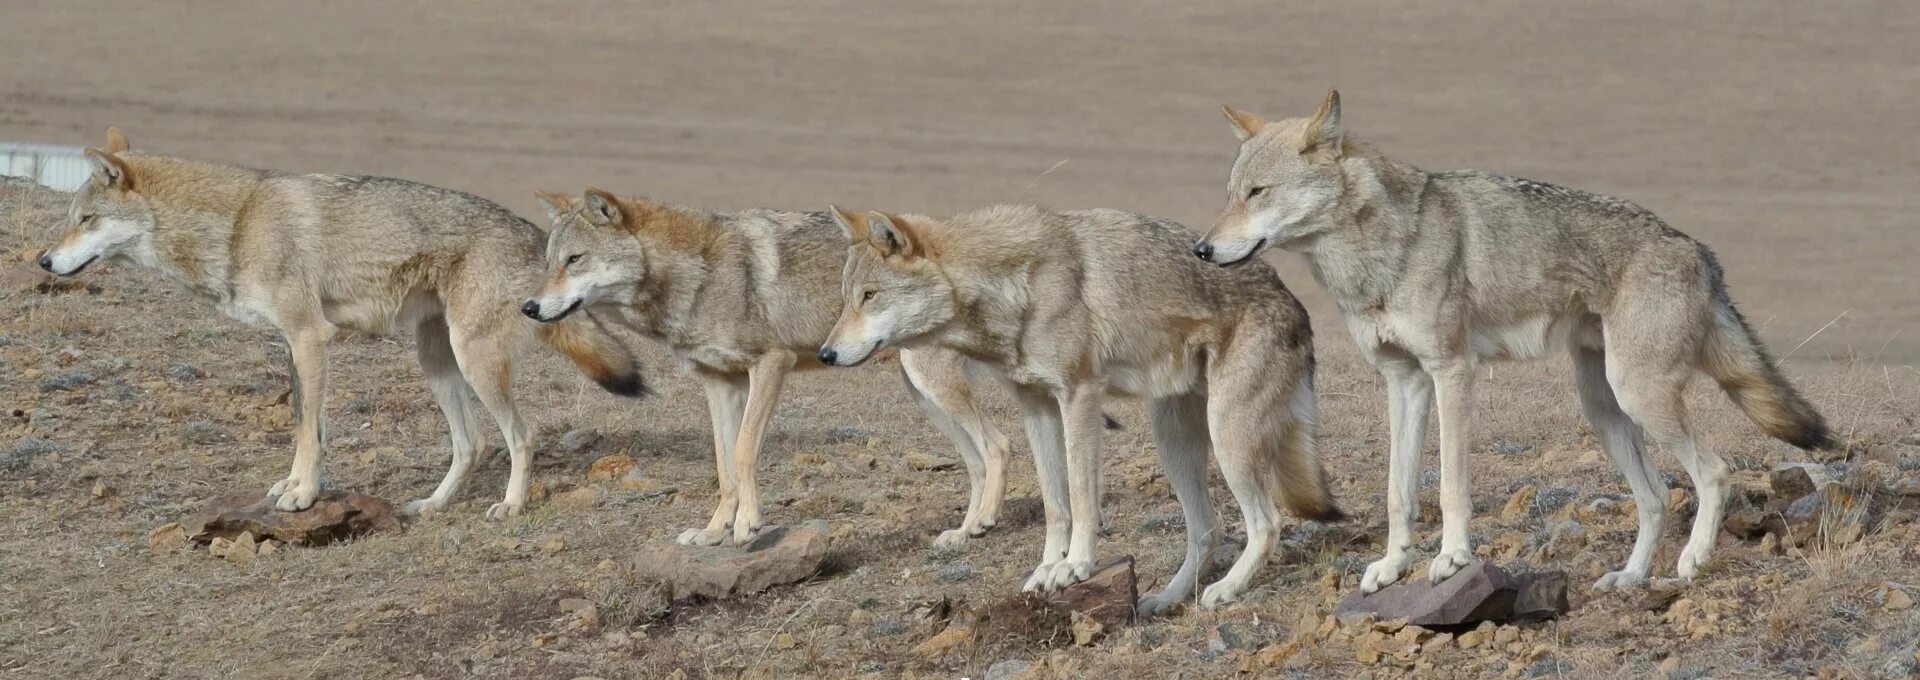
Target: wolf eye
(1256,191)
(575,257)
(86,218)
(867,296)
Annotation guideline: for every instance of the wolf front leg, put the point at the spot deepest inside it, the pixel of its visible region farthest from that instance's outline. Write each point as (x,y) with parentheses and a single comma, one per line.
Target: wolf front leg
(308,346)
(1453,381)
(1409,399)
(763,393)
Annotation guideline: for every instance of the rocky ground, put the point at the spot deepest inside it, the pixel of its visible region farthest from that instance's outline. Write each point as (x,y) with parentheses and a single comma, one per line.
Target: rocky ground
(128,407)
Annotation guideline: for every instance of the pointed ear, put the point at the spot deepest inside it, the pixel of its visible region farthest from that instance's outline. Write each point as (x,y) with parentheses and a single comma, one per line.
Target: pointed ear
(109,172)
(556,205)
(853,224)
(1245,125)
(891,235)
(1323,129)
(116,141)
(603,208)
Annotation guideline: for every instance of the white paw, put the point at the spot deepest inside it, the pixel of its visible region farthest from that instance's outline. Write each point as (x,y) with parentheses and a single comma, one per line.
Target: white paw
(951,539)
(1158,603)
(702,536)
(296,498)
(1387,571)
(1220,593)
(1037,581)
(1613,580)
(504,510)
(1448,563)
(1068,572)
(1690,564)
(425,507)
(746,524)
(283,486)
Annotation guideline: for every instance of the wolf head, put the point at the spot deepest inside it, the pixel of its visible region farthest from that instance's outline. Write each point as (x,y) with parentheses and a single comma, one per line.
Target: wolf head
(1284,186)
(893,290)
(108,219)
(594,256)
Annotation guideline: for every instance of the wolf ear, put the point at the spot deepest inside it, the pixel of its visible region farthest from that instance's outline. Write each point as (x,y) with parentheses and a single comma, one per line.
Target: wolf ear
(1245,125)
(109,172)
(603,208)
(556,205)
(891,235)
(116,141)
(1323,129)
(853,224)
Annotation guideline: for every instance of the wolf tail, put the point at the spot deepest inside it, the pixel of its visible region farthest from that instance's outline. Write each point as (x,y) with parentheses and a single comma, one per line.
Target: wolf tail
(1737,360)
(1294,468)
(585,340)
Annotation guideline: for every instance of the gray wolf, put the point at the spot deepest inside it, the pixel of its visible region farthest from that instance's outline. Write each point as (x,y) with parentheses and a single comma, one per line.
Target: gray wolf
(311,254)
(1437,271)
(741,300)
(1073,306)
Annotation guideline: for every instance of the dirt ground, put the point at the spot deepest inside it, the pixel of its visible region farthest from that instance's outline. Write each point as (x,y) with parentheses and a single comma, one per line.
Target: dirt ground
(1783,135)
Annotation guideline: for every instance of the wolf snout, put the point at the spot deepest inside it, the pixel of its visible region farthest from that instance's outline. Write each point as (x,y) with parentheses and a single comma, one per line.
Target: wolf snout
(1204,251)
(46,261)
(828,356)
(531,308)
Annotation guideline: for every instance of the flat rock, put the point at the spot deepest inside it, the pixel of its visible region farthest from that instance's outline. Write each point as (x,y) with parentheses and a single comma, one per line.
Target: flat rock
(1791,481)
(1102,604)
(1480,592)
(166,538)
(778,556)
(1109,596)
(335,515)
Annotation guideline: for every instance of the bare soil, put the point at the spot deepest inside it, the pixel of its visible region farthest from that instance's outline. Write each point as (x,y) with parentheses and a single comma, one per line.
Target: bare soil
(1782,134)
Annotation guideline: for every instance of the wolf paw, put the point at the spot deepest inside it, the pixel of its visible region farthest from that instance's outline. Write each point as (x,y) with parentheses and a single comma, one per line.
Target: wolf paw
(1618,580)
(702,536)
(1387,571)
(1041,576)
(1448,563)
(1068,572)
(1158,603)
(952,539)
(295,497)
(1221,593)
(424,507)
(503,510)
(1690,563)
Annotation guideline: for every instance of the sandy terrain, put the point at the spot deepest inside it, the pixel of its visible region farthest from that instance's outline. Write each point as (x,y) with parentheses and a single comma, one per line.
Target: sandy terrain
(1784,136)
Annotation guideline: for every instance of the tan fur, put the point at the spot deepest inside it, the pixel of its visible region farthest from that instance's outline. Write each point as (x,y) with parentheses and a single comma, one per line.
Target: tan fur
(1073,306)
(311,254)
(1436,272)
(741,300)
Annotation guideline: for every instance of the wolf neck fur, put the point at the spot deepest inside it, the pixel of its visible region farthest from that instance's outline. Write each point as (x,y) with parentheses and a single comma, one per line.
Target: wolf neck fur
(196,207)
(1360,257)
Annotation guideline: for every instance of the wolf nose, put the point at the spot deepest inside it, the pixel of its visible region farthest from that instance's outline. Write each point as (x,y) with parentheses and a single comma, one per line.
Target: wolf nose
(531,309)
(46,262)
(827,356)
(1203,250)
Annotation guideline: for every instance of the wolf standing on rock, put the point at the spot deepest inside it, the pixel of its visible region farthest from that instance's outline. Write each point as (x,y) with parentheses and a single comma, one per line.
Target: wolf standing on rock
(1070,306)
(1437,271)
(311,254)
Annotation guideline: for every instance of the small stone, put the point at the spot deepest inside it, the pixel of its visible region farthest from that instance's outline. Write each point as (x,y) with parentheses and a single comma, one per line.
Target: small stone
(1085,630)
(553,546)
(1008,670)
(1472,639)
(241,550)
(166,538)
(1681,609)
(578,441)
(1520,504)
(610,468)
(955,573)
(785,641)
(953,637)
(1505,635)
(1791,481)
(101,489)
(218,547)
(579,497)
(928,463)
(184,372)
(1436,643)
(267,547)
(1897,600)
(1770,544)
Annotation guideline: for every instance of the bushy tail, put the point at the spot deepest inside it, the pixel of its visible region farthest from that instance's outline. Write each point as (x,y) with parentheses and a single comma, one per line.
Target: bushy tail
(585,340)
(1737,360)
(1294,467)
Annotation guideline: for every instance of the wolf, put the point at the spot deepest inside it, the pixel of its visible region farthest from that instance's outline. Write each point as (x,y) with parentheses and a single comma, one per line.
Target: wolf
(742,299)
(1437,271)
(310,254)
(1070,307)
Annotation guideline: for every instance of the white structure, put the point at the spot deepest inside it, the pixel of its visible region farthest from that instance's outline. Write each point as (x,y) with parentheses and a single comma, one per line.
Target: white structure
(56,167)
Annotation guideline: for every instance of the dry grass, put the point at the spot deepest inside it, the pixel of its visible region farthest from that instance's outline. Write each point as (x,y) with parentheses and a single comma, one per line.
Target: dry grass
(458,597)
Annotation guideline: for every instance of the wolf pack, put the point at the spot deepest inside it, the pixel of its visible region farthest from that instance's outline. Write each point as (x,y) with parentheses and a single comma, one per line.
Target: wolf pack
(1433,272)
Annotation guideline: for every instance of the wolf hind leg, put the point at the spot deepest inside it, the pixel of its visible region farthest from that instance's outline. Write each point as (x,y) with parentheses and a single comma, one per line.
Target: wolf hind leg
(1625,443)
(454,396)
(1180,434)
(485,357)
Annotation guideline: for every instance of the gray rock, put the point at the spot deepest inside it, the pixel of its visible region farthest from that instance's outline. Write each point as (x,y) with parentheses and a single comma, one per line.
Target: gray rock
(1793,481)
(64,382)
(204,432)
(576,441)
(847,434)
(1480,592)
(23,452)
(1549,668)
(778,556)
(955,573)
(184,372)
(1551,499)
(1512,448)
(1007,670)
